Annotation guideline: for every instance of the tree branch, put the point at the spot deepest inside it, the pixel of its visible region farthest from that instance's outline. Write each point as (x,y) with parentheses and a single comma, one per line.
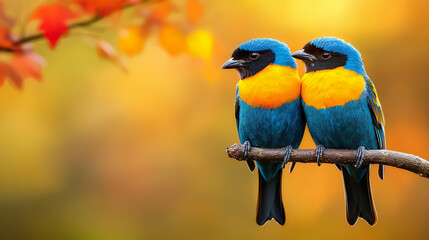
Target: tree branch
(405,161)
(83,23)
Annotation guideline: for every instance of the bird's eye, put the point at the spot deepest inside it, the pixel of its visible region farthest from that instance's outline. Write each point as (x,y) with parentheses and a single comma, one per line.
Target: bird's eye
(254,55)
(326,55)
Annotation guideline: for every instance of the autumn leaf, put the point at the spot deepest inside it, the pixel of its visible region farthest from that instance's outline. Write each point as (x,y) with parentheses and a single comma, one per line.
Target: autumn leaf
(6,23)
(8,71)
(157,14)
(4,19)
(53,20)
(106,51)
(104,7)
(195,11)
(28,64)
(22,65)
(2,77)
(200,44)
(6,38)
(131,40)
(172,39)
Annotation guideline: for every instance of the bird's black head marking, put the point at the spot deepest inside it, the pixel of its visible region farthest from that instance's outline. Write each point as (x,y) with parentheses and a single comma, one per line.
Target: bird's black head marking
(248,63)
(319,59)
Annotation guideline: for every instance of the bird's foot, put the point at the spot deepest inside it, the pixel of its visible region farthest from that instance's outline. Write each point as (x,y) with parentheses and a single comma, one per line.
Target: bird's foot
(319,153)
(246,149)
(288,152)
(360,154)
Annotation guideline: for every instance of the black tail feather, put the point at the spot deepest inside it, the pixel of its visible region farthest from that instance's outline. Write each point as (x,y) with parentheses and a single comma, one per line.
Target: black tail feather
(358,198)
(270,203)
(251,165)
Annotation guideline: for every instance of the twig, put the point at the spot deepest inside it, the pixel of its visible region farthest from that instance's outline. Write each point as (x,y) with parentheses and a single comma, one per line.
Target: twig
(405,161)
(6,49)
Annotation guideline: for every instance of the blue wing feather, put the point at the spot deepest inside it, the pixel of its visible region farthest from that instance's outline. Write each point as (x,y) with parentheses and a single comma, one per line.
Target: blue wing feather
(250,163)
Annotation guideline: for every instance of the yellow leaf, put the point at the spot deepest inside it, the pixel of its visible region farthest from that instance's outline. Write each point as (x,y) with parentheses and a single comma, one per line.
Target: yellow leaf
(131,40)
(172,39)
(200,44)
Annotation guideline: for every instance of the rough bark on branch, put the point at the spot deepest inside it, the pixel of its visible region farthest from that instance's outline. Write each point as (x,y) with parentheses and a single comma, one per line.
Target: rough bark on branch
(405,161)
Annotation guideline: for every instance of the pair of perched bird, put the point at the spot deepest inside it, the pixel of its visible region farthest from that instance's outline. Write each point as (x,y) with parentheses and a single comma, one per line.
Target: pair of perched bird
(335,98)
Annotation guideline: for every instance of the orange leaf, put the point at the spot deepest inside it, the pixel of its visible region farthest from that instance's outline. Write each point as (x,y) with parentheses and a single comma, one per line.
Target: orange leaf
(172,39)
(6,38)
(131,40)
(28,65)
(103,7)
(195,11)
(157,15)
(53,18)
(10,72)
(6,23)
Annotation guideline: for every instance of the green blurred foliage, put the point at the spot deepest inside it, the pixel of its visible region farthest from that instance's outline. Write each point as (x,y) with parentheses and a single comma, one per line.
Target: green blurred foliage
(93,153)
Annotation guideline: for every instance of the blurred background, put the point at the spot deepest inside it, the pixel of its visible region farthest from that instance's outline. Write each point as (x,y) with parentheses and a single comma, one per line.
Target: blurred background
(95,153)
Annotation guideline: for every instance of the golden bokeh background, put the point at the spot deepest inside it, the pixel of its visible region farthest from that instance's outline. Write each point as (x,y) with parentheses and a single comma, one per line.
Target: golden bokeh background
(94,153)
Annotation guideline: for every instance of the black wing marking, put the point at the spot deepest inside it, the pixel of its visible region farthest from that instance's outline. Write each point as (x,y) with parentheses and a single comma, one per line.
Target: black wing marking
(237,111)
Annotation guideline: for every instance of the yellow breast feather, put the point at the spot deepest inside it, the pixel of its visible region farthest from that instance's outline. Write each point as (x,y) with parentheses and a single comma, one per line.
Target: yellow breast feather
(331,87)
(270,88)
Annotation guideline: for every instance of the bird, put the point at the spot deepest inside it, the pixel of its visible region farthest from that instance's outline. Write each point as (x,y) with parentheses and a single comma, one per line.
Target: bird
(343,111)
(268,114)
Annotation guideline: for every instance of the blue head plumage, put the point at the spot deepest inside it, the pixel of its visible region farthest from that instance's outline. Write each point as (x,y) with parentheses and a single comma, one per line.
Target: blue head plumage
(281,50)
(332,44)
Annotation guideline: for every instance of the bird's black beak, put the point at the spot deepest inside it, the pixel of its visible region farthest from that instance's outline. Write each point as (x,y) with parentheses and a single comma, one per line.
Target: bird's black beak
(304,56)
(232,63)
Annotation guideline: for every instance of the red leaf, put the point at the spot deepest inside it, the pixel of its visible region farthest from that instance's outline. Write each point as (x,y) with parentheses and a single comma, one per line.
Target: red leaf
(1,78)
(103,7)
(28,65)
(53,18)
